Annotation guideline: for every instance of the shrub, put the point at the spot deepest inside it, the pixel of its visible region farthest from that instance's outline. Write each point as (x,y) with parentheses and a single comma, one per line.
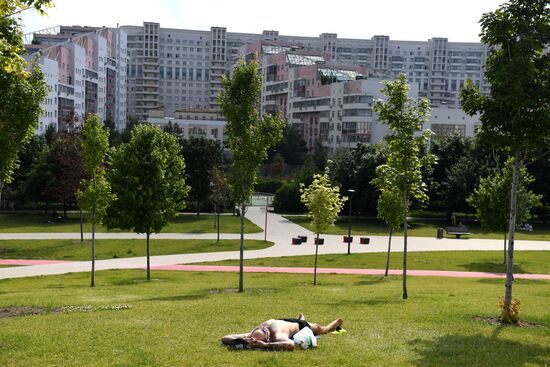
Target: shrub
(269,185)
(287,199)
(509,314)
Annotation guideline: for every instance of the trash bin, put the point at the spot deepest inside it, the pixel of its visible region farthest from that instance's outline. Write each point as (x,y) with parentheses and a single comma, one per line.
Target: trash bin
(439,233)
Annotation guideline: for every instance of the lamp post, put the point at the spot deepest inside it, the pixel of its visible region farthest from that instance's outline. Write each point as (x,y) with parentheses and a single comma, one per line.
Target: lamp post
(350,191)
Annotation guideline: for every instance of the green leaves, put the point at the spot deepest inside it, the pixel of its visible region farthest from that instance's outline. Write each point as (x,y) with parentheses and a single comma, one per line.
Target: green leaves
(323,201)
(96,194)
(515,115)
(147,179)
(249,136)
(405,119)
(492,199)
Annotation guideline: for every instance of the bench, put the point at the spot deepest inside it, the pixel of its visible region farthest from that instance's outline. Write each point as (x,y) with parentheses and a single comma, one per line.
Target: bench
(457,230)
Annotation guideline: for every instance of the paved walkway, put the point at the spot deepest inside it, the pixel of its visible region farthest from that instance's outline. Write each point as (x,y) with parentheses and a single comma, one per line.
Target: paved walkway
(279,231)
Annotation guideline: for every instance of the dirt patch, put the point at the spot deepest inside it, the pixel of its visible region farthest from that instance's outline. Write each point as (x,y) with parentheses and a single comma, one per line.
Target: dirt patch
(227,290)
(15,311)
(496,321)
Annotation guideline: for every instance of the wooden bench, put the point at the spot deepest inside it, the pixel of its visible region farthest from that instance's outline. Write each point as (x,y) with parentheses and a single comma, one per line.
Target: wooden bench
(458,230)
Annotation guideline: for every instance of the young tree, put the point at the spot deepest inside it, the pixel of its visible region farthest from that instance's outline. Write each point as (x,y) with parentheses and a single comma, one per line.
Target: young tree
(146,177)
(403,169)
(96,194)
(200,156)
(219,190)
(323,202)
(390,207)
(515,114)
(249,135)
(493,195)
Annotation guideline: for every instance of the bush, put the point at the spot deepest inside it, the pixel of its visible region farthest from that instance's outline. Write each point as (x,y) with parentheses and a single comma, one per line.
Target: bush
(269,185)
(509,314)
(287,199)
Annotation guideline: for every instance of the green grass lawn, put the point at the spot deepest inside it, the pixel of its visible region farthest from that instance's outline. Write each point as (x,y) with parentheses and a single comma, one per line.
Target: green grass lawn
(526,262)
(13,223)
(178,318)
(115,248)
(419,228)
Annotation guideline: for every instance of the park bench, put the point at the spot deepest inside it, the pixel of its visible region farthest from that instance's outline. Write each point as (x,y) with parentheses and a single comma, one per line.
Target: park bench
(458,230)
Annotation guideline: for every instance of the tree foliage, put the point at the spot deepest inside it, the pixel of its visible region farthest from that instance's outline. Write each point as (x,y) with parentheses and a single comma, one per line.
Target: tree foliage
(323,203)
(249,135)
(355,169)
(491,199)
(200,157)
(20,91)
(146,177)
(403,169)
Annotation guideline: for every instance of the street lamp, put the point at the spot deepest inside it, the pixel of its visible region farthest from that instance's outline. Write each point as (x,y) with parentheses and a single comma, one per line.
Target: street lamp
(351,192)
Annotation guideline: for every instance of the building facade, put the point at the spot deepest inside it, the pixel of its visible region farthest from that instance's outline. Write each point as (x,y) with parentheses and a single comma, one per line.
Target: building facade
(85,70)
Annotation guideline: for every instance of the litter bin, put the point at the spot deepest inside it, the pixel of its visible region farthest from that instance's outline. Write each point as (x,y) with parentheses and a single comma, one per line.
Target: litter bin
(439,233)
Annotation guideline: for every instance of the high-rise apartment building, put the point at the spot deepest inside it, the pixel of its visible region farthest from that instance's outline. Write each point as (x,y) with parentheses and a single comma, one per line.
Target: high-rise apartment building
(85,70)
(191,63)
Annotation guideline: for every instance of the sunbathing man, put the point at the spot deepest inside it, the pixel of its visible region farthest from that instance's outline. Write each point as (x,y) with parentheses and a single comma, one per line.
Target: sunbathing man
(277,334)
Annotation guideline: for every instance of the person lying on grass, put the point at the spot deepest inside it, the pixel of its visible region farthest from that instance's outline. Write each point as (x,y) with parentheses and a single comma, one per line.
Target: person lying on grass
(277,334)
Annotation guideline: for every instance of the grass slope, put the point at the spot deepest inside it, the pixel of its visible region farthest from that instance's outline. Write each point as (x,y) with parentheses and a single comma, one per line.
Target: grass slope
(533,262)
(178,318)
(13,223)
(419,228)
(114,248)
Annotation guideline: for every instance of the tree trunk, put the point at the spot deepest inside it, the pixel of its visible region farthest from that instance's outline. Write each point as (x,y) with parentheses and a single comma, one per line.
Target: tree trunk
(505,233)
(82,228)
(388,257)
(148,259)
(46,209)
(315,267)
(405,207)
(241,251)
(1,188)
(512,231)
(198,208)
(218,223)
(65,210)
(93,251)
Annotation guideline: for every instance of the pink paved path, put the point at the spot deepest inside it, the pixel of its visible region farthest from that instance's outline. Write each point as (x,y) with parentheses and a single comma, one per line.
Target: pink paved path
(425,273)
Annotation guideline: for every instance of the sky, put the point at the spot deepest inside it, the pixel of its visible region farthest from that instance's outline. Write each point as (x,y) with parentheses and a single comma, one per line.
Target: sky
(400,19)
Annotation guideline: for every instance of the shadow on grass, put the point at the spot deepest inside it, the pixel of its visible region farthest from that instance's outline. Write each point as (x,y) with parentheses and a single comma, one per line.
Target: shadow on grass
(516,281)
(478,350)
(493,267)
(184,297)
(372,281)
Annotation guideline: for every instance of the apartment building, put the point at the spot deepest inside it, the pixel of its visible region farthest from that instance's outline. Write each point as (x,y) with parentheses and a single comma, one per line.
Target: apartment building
(86,74)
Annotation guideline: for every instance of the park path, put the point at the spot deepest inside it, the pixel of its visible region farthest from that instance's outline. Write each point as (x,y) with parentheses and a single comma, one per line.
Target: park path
(279,231)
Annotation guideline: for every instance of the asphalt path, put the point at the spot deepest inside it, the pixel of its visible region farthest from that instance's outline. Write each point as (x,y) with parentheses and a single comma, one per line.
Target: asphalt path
(280,231)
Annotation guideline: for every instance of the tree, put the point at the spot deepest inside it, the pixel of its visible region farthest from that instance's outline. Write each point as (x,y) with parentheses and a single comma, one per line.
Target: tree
(96,194)
(67,172)
(278,166)
(403,169)
(21,92)
(390,206)
(515,114)
(323,202)
(292,147)
(219,190)
(249,136)
(493,195)
(355,169)
(146,177)
(200,157)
